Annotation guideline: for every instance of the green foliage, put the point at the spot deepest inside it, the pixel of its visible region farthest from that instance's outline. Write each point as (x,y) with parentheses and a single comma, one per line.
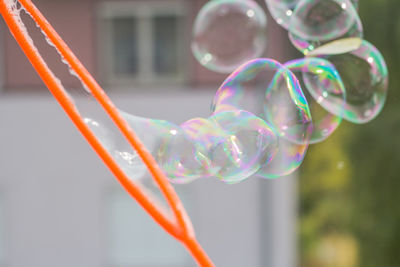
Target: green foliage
(350,184)
(325,182)
(375,190)
(375,149)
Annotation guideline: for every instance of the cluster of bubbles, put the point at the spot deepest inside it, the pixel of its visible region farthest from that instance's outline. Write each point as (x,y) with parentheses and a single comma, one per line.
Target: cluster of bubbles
(262,121)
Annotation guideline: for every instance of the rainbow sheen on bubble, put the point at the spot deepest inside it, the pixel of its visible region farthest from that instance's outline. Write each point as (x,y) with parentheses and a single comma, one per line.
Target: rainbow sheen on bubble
(245,134)
(227,33)
(231,145)
(261,122)
(251,143)
(321,74)
(317,22)
(180,157)
(365,77)
(287,109)
(270,91)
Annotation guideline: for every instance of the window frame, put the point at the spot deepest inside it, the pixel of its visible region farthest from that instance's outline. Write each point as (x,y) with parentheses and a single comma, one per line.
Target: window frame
(143,11)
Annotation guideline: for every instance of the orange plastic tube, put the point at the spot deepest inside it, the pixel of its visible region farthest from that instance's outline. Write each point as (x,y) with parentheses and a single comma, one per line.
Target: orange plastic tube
(179,226)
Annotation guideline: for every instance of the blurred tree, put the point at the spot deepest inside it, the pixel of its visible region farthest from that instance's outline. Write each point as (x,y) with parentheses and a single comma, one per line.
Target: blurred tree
(350,184)
(375,149)
(325,212)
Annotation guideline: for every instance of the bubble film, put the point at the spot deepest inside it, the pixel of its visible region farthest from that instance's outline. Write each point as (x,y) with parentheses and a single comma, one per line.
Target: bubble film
(181,157)
(272,92)
(282,10)
(227,33)
(178,155)
(365,77)
(231,145)
(286,108)
(316,22)
(261,120)
(250,143)
(321,74)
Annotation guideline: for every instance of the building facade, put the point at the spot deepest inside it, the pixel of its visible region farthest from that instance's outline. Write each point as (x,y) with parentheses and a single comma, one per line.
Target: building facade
(59,206)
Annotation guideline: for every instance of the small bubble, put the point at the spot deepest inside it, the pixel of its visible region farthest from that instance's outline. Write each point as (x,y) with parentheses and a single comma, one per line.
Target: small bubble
(227,33)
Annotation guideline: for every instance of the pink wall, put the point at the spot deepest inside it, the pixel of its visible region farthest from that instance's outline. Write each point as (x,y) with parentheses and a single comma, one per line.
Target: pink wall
(75,21)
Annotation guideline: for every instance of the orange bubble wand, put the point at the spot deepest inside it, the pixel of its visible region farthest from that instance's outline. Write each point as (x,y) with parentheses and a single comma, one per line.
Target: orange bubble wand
(180,225)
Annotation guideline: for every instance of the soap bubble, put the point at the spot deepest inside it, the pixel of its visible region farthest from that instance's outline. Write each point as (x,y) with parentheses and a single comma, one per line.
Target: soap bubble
(250,143)
(181,158)
(124,155)
(208,135)
(282,10)
(286,161)
(287,109)
(365,77)
(260,86)
(204,132)
(317,73)
(236,142)
(227,33)
(317,22)
(231,145)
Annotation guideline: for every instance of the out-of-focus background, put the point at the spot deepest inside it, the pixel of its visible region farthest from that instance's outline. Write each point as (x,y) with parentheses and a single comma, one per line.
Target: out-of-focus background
(349,185)
(59,206)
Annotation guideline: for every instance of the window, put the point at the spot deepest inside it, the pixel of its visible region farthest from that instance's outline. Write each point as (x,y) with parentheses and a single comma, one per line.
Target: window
(143,42)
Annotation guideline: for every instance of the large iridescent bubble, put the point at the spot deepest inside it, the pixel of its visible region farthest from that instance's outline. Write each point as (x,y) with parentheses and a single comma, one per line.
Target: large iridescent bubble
(317,22)
(272,92)
(261,121)
(181,157)
(365,77)
(227,33)
(260,125)
(319,73)
(250,143)
(236,142)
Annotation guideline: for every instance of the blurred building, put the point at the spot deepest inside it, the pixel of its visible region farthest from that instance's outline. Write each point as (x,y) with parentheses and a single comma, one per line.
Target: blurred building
(146,43)
(59,206)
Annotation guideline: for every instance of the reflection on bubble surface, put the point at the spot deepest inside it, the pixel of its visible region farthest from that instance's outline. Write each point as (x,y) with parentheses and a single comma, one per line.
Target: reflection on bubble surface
(282,10)
(269,90)
(320,74)
(365,77)
(316,22)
